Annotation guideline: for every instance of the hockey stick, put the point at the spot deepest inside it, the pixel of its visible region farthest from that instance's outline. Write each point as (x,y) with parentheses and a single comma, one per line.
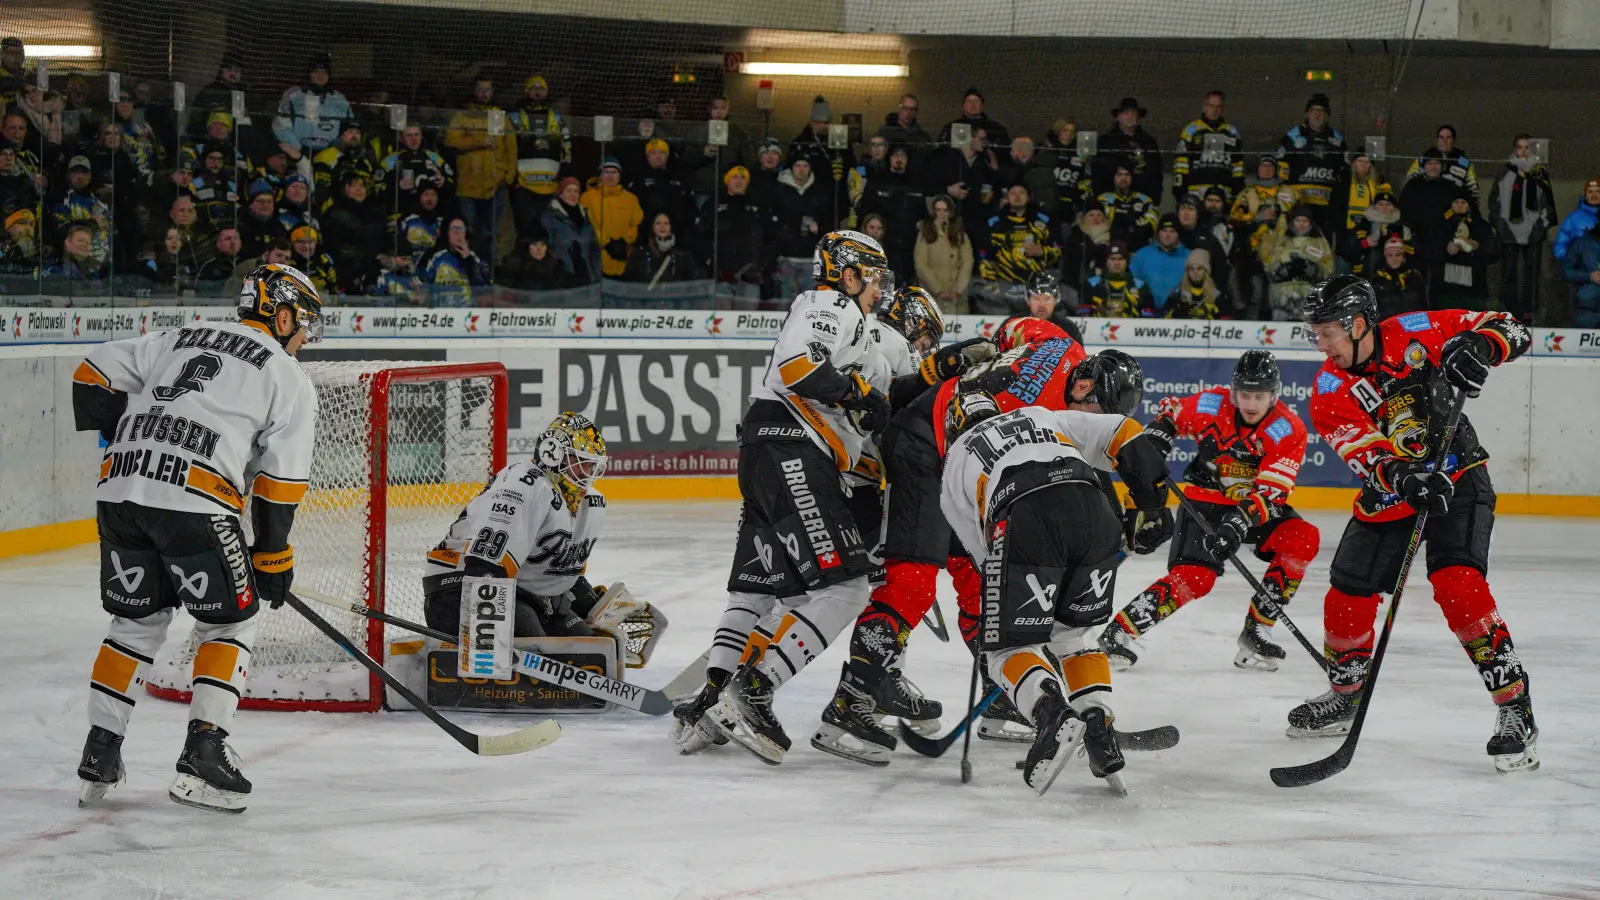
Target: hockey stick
(631,696)
(521,741)
(1267,602)
(690,680)
(934,620)
(936,747)
(1313,772)
(966,746)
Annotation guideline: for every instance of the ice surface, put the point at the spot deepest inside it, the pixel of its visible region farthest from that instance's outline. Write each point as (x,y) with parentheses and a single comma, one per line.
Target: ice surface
(385,806)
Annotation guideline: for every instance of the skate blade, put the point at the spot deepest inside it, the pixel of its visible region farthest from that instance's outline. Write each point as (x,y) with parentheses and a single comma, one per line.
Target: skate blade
(838,742)
(1067,738)
(728,722)
(1004,732)
(692,739)
(93,792)
(928,728)
(1526,761)
(1250,662)
(1337,730)
(190,790)
(1115,783)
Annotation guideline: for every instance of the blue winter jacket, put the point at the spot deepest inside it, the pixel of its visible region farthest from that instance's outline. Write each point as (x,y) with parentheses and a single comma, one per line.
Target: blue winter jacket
(1161,269)
(1583,257)
(1576,224)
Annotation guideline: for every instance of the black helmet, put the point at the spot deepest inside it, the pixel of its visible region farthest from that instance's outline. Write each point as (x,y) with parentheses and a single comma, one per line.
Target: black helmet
(1118,381)
(966,410)
(1044,282)
(275,286)
(1340,299)
(1257,370)
(913,314)
(840,250)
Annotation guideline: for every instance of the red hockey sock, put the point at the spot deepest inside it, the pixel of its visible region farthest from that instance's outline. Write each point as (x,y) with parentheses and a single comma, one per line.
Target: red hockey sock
(1347,625)
(969,590)
(1469,609)
(908,589)
(1463,596)
(1293,545)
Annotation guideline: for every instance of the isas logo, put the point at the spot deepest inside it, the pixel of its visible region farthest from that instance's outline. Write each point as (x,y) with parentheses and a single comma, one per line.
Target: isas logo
(1552,342)
(1264,334)
(1108,332)
(713,324)
(575,323)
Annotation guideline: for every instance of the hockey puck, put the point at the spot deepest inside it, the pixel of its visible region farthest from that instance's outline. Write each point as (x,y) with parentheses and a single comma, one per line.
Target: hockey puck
(1021,764)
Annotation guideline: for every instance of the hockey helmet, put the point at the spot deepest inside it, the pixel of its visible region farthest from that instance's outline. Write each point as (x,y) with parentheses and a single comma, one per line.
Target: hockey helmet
(913,314)
(1257,370)
(1340,299)
(840,250)
(1018,331)
(573,456)
(966,410)
(1045,282)
(274,286)
(1117,382)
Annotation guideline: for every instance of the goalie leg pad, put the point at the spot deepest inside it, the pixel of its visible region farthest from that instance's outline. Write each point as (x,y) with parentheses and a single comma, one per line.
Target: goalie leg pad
(221,664)
(488,619)
(129,647)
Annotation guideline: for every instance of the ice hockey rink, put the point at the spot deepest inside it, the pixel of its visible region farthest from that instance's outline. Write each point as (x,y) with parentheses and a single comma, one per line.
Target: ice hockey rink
(385,806)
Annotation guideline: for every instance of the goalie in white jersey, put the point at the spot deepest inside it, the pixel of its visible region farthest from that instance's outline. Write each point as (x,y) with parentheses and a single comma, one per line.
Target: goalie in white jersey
(808,423)
(1021,493)
(535,524)
(195,421)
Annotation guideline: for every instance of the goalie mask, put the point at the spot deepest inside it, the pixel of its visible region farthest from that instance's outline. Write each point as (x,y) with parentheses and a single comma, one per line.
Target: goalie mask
(840,250)
(914,315)
(573,456)
(273,287)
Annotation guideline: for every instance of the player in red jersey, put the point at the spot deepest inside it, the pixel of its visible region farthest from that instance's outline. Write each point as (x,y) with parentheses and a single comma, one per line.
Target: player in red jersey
(1379,403)
(1251,445)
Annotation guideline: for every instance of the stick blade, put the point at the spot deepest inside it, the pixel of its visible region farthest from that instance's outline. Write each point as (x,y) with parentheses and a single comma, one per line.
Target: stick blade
(926,746)
(520,741)
(1312,772)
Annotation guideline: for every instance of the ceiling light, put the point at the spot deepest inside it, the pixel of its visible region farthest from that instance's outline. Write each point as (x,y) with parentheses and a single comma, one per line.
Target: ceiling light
(62,51)
(825,70)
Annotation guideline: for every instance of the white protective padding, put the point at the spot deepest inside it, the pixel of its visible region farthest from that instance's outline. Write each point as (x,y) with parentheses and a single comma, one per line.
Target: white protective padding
(488,613)
(441,440)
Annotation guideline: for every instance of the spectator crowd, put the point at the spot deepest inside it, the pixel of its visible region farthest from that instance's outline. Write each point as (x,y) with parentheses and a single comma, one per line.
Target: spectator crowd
(159,202)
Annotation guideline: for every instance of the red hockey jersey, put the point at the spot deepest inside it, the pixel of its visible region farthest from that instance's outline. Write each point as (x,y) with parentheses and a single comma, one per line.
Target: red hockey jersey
(1254,466)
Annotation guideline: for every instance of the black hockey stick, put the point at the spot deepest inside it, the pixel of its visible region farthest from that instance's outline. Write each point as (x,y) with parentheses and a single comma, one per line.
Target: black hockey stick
(521,741)
(629,696)
(934,620)
(966,746)
(1313,772)
(1267,602)
(936,747)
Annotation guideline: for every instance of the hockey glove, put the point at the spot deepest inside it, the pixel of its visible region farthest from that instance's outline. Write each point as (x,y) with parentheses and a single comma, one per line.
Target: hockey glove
(871,407)
(1466,359)
(1426,491)
(617,248)
(274,573)
(1229,534)
(1162,432)
(944,363)
(1147,529)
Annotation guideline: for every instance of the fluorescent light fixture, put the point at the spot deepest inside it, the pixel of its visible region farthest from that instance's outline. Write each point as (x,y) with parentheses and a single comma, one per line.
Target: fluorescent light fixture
(825,70)
(62,51)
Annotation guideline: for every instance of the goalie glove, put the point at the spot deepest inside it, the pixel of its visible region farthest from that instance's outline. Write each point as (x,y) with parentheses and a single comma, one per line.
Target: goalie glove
(636,624)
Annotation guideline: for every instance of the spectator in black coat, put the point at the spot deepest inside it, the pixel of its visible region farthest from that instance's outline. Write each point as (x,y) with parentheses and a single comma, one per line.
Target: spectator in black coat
(828,165)
(740,252)
(968,174)
(657,257)
(972,114)
(1459,252)
(532,267)
(1193,233)
(1427,197)
(1399,286)
(1127,143)
(903,203)
(901,127)
(353,235)
(805,210)
(1523,209)
(658,184)
(224,258)
(258,221)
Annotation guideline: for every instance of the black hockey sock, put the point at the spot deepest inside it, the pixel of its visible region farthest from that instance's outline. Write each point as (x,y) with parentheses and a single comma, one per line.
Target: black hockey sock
(879,638)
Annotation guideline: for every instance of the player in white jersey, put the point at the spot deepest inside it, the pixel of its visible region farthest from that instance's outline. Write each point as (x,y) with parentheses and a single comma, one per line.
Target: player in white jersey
(196,421)
(1021,492)
(535,523)
(808,423)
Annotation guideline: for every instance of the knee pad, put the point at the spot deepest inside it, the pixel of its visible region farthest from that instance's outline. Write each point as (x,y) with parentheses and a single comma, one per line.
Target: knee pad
(909,589)
(1347,618)
(1190,582)
(1463,596)
(1292,546)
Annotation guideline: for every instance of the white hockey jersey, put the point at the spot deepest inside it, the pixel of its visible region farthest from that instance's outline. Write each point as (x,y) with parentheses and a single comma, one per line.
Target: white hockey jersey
(216,412)
(521,524)
(978,460)
(823,326)
(892,358)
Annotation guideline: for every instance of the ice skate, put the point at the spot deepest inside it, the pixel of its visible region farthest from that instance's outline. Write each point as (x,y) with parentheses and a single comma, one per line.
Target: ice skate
(208,772)
(744,715)
(1515,744)
(1100,744)
(1256,651)
(692,731)
(1117,644)
(849,729)
(101,764)
(1326,715)
(1056,730)
(899,698)
(1001,720)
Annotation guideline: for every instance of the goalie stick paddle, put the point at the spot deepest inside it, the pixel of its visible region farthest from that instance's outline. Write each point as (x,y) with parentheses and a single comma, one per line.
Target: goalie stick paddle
(1329,766)
(1255,584)
(630,696)
(521,741)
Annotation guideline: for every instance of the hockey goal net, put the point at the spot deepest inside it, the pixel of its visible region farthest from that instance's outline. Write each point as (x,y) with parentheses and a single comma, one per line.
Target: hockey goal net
(400,449)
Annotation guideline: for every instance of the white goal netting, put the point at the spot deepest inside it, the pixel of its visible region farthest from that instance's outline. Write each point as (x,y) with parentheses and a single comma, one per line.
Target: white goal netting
(400,449)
